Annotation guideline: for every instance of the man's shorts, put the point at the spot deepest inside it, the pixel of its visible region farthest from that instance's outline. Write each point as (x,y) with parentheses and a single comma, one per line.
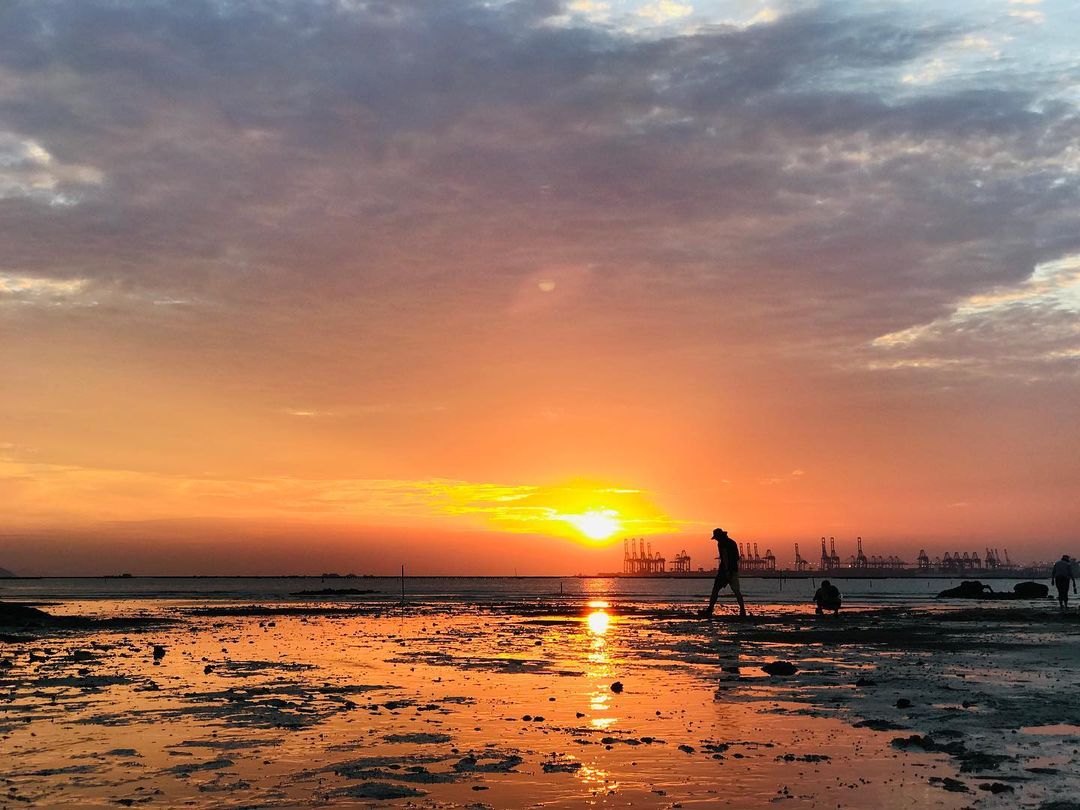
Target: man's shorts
(733,582)
(1062,586)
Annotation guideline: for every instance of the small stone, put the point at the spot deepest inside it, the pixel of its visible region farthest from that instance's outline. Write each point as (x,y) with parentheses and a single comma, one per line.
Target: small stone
(617,687)
(903,703)
(780,668)
(159,651)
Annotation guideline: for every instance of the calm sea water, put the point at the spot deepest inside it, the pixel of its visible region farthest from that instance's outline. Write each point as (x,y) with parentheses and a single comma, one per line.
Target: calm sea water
(469,589)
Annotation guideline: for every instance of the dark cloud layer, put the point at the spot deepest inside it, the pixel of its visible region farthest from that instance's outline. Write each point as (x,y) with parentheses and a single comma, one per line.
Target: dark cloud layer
(314,139)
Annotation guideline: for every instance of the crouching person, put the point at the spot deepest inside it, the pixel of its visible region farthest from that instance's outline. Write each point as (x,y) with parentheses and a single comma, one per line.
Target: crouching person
(827,597)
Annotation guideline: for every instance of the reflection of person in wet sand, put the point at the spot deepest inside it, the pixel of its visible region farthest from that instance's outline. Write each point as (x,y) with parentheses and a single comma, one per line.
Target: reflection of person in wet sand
(1060,576)
(827,597)
(727,572)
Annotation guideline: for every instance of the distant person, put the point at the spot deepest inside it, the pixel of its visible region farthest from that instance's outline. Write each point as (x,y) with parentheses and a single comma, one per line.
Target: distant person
(727,572)
(1060,576)
(827,597)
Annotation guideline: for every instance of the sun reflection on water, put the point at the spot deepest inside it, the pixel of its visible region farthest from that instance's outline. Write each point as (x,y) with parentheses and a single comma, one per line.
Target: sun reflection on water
(598,622)
(596,779)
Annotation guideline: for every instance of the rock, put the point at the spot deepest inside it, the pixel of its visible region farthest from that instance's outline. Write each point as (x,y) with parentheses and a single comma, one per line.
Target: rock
(780,668)
(903,703)
(617,687)
(561,767)
(159,652)
(380,790)
(687,748)
(952,785)
(914,741)
(1030,590)
(82,655)
(997,787)
(880,725)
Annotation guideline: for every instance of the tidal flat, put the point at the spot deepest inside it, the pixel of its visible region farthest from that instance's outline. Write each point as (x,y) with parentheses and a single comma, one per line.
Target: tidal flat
(554,702)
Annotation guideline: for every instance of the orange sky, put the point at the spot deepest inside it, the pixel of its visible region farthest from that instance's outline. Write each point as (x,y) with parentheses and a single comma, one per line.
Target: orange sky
(495,279)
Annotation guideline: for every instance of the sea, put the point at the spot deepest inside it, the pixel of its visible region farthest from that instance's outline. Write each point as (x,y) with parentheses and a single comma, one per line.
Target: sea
(471,589)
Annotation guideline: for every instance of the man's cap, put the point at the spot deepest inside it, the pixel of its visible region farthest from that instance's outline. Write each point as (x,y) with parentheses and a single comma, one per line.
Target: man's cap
(1065,557)
(718,533)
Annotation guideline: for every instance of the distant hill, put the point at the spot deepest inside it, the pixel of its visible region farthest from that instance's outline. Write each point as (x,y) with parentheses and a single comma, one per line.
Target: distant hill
(5,573)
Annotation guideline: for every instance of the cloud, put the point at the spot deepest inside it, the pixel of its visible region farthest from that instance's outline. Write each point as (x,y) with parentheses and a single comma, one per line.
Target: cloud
(522,208)
(1031,328)
(665,10)
(28,170)
(29,289)
(46,493)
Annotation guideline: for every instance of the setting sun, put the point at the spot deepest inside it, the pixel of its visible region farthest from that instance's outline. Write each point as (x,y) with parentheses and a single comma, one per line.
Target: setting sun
(596,524)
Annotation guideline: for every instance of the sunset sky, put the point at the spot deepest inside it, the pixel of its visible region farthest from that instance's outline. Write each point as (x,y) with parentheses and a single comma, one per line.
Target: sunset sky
(295,286)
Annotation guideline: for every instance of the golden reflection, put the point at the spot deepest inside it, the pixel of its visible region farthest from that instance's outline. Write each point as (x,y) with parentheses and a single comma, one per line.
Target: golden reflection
(595,778)
(598,622)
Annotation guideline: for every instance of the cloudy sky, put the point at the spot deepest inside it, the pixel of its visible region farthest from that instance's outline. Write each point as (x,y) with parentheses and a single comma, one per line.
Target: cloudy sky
(296,285)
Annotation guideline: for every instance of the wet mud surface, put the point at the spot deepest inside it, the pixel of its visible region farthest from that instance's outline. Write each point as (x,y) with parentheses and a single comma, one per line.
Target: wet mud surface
(538,703)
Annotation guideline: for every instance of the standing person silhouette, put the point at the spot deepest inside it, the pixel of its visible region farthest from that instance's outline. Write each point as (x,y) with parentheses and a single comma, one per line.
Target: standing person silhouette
(727,572)
(1060,576)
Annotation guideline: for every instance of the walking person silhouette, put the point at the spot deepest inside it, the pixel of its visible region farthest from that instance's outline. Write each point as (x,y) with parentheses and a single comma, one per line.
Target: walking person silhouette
(1060,576)
(727,572)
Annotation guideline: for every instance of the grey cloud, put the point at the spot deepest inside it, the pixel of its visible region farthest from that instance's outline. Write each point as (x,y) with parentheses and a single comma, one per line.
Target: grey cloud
(267,154)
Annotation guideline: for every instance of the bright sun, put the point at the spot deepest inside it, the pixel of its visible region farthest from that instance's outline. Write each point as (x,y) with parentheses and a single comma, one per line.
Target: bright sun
(596,524)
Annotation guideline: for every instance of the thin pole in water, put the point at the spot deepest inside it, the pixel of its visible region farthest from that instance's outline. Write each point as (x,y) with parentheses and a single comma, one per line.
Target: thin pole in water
(403,583)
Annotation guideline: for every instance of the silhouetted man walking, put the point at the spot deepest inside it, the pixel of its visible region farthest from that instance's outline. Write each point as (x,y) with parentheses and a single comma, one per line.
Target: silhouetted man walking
(727,571)
(1061,575)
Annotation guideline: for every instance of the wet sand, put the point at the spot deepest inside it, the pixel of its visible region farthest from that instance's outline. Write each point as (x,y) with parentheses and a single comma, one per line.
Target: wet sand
(538,703)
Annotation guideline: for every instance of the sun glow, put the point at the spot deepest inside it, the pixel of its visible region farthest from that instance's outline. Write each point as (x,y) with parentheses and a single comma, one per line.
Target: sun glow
(598,622)
(596,524)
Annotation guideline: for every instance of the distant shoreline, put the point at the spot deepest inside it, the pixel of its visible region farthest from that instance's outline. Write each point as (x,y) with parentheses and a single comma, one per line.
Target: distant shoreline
(840,574)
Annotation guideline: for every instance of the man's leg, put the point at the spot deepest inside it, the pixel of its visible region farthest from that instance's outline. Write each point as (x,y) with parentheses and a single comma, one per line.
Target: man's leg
(718,583)
(737,590)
